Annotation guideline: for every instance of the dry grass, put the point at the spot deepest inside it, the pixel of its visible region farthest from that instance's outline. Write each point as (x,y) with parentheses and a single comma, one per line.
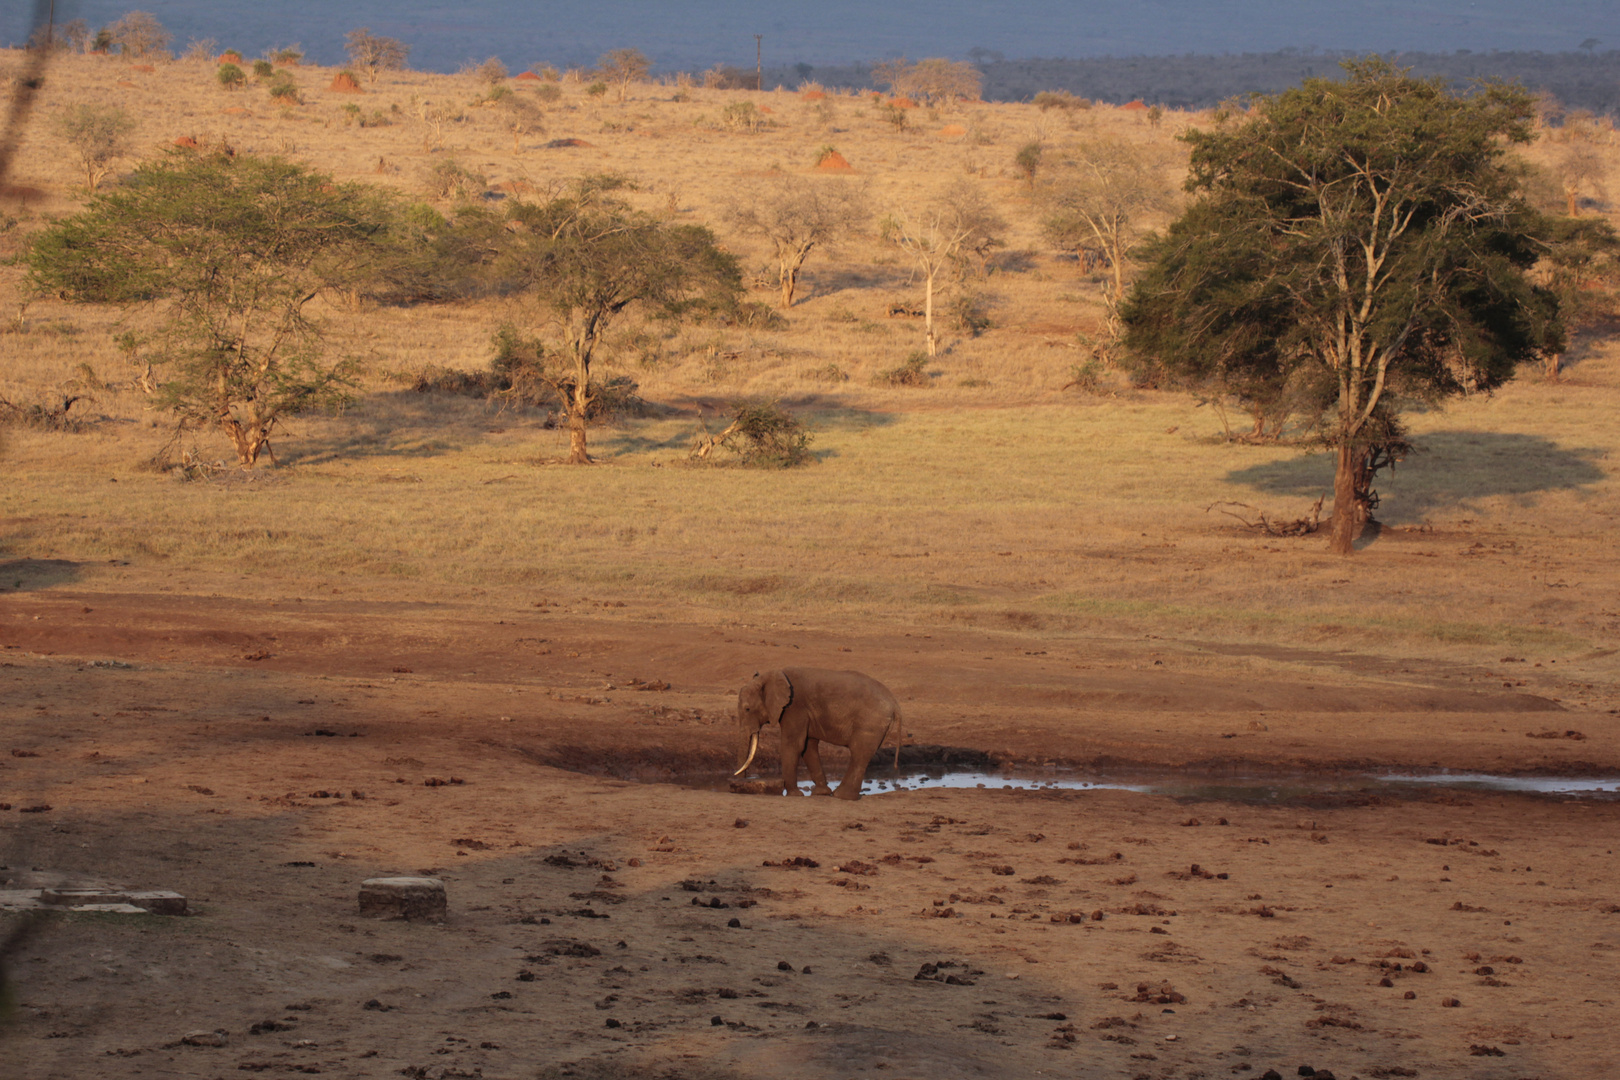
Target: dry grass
(992,497)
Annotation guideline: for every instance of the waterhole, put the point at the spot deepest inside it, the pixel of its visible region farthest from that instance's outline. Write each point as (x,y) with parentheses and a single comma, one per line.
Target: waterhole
(1181,784)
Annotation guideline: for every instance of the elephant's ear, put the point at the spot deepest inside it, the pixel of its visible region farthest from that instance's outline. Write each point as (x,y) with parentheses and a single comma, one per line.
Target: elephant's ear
(778,694)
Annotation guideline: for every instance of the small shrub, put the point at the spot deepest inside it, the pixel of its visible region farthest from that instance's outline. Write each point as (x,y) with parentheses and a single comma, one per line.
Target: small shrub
(1060,99)
(449,180)
(725,77)
(681,97)
(913,372)
(1028,160)
(352,114)
(969,312)
(829,373)
(1086,377)
(522,374)
(288,57)
(893,114)
(548,73)
(491,71)
(596,89)
(548,92)
(230,76)
(762,434)
(263,69)
(742,116)
(756,315)
(284,91)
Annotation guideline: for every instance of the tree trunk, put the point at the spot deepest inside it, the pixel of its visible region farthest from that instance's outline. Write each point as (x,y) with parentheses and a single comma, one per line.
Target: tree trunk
(790,281)
(577,454)
(1346,524)
(928,314)
(579,402)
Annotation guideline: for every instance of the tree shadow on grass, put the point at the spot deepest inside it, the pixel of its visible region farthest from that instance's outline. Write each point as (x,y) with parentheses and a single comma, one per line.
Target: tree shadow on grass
(18,575)
(1449,469)
(818,413)
(403,424)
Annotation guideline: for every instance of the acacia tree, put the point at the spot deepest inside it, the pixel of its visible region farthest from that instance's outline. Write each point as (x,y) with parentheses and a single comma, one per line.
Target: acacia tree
(797,214)
(99,135)
(588,257)
(623,67)
(1097,200)
(231,251)
(375,53)
(1371,231)
(958,222)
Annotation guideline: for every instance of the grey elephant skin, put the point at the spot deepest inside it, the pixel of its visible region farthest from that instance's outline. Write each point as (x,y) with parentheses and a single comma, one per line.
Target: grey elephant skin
(813,706)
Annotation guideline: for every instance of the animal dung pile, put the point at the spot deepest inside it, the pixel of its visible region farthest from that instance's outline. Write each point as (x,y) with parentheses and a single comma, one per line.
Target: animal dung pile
(417,899)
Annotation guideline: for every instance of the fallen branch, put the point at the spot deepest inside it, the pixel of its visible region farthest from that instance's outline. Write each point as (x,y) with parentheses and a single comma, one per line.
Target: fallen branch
(1297,527)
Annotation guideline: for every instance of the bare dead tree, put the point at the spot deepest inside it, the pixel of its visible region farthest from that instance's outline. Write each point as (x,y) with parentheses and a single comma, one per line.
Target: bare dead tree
(796,215)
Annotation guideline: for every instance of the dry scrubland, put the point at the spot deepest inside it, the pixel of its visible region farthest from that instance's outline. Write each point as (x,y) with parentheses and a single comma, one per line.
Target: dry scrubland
(1036,506)
(1033,570)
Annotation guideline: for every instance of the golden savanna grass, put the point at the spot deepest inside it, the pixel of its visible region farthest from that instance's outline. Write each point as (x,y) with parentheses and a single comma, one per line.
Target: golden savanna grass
(995,497)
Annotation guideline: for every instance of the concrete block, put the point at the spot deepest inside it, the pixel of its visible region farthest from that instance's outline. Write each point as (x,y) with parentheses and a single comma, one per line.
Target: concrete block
(419,899)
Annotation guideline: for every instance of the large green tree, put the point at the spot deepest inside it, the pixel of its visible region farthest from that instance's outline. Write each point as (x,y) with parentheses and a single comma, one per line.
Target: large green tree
(1365,238)
(231,251)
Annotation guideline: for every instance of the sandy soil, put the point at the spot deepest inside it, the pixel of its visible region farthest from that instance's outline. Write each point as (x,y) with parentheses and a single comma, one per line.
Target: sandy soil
(265,756)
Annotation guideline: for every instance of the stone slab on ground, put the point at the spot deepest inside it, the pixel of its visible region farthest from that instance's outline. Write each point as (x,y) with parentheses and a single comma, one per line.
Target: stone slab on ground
(419,899)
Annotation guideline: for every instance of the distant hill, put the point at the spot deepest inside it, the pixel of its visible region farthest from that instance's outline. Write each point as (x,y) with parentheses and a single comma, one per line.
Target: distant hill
(1580,80)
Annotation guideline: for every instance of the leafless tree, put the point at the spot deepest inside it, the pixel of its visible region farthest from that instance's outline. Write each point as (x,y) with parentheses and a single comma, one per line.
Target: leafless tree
(1580,168)
(139,35)
(941,83)
(68,37)
(1097,201)
(623,66)
(374,53)
(798,214)
(936,236)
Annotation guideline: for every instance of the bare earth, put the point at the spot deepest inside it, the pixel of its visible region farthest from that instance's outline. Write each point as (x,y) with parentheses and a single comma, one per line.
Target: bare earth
(263,760)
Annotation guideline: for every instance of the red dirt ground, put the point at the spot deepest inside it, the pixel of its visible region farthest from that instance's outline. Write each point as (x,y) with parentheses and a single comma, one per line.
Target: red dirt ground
(215,743)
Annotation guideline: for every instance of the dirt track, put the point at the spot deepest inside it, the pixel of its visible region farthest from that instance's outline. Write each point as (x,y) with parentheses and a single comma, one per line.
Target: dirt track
(196,767)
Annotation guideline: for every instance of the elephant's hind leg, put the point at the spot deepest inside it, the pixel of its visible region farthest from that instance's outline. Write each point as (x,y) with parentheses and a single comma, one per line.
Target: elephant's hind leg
(812,758)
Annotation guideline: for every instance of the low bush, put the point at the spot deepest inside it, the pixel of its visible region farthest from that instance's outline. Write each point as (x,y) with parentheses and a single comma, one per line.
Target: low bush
(760,434)
(913,372)
(1060,99)
(522,374)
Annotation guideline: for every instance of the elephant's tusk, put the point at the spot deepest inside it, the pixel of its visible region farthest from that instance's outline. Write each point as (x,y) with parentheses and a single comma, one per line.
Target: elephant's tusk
(753,748)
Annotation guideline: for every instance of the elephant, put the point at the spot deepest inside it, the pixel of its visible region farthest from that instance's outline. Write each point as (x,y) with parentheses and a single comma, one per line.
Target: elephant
(815,705)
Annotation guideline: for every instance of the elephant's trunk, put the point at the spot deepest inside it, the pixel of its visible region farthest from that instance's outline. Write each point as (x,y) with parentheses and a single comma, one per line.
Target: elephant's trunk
(753,748)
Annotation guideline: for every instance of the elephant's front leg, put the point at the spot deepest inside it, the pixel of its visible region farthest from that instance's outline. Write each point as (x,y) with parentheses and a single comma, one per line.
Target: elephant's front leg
(812,758)
(791,751)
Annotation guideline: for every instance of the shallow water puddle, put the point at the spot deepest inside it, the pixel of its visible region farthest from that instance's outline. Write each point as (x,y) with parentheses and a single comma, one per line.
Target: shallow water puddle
(1248,789)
